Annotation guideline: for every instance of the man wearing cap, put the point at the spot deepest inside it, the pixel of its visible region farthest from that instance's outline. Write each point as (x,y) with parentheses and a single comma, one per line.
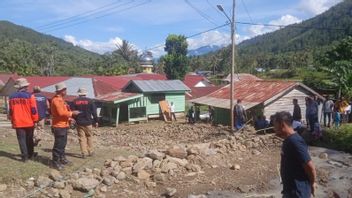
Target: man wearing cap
(42,106)
(85,120)
(61,117)
(23,114)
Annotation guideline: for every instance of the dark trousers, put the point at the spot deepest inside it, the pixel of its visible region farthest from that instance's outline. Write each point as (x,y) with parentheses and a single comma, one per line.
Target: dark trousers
(173,116)
(25,141)
(328,115)
(312,120)
(60,135)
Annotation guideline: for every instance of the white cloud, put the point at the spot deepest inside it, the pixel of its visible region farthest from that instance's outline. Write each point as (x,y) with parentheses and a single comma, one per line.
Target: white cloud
(315,7)
(287,19)
(94,46)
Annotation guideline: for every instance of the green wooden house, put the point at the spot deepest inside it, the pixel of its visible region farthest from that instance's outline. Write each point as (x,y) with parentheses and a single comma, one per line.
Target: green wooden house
(139,100)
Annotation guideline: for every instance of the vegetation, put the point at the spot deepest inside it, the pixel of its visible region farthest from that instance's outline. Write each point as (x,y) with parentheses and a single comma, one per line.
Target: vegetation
(291,52)
(28,52)
(339,139)
(176,60)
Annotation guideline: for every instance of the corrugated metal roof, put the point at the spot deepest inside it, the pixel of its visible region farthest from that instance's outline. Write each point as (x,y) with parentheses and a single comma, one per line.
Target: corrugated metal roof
(192,80)
(118,96)
(73,84)
(147,86)
(220,103)
(197,92)
(254,91)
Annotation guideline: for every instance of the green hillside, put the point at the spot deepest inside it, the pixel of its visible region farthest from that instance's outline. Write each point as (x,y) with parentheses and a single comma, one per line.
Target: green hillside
(293,47)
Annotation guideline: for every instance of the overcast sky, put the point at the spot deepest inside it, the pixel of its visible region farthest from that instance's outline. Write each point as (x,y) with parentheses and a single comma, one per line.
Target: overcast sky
(100,25)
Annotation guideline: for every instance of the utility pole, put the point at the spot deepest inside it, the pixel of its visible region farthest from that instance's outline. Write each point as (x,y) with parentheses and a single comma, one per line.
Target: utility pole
(233,64)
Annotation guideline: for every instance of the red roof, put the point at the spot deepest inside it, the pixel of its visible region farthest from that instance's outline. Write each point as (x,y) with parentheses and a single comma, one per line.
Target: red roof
(197,92)
(192,80)
(254,91)
(102,88)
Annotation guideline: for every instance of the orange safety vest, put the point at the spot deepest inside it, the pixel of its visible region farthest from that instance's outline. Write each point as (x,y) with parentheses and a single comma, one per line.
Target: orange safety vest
(60,112)
(23,109)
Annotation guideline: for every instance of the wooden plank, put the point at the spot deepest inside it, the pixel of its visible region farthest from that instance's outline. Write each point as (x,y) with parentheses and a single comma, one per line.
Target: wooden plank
(164,106)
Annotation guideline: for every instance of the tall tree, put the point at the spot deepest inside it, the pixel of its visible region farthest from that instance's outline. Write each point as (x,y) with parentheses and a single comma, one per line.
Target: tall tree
(176,60)
(338,63)
(126,50)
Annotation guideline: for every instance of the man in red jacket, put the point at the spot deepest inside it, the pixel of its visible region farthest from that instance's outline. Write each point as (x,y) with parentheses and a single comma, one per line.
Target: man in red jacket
(23,114)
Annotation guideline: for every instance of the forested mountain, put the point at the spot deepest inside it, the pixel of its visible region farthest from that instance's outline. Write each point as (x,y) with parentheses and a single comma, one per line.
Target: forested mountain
(27,52)
(294,46)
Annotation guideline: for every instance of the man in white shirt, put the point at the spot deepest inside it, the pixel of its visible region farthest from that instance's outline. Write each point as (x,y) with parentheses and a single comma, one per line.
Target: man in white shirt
(172,111)
(328,109)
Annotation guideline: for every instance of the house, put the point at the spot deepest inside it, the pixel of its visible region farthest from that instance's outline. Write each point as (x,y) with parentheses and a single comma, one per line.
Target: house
(196,81)
(259,97)
(139,100)
(240,77)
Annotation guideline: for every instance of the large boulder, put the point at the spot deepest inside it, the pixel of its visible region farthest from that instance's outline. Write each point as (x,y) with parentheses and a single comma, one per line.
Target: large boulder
(155,155)
(55,175)
(177,151)
(85,184)
(43,182)
(144,163)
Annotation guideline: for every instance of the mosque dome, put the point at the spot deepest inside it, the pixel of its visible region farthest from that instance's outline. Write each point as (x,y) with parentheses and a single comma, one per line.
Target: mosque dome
(146,58)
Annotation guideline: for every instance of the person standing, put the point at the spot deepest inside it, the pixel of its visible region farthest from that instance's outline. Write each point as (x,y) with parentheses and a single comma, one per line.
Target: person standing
(85,120)
(23,114)
(211,114)
(61,117)
(42,105)
(312,113)
(240,115)
(328,107)
(297,169)
(197,114)
(172,111)
(297,115)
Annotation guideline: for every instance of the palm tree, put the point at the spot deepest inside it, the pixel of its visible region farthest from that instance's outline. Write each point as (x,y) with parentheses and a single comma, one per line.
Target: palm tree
(125,49)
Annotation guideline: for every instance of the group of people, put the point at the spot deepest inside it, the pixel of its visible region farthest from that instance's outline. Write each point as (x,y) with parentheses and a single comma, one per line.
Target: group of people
(28,111)
(193,115)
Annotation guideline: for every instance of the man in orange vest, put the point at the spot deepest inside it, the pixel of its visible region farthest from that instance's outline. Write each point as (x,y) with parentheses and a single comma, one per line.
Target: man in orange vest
(23,114)
(61,117)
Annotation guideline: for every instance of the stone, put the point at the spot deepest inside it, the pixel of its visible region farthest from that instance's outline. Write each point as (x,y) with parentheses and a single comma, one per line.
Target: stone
(85,184)
(3,187)
(115,173)
(55,175)
(64,194)
(74,176)
(170,192)
(156,164)
(121,176)
(155,155)
(104,172)
(108,180)
(127,170)
(88,170)
(150,184)
(166,167)
(244,189)
(193,167)
(43,182)
(29,184)
(144,163)
(143,175)
(59,184)
(235,167)
(159,177)
(103,189)
(197,196)
(256,152)
(178,161)
(193,151)
(119,159)
(96,171)
(323,156)
(177,151)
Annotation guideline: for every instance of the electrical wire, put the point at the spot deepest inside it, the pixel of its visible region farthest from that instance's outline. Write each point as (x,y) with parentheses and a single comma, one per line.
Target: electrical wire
(98,17)
(83,14)
(245,8)
(202,14)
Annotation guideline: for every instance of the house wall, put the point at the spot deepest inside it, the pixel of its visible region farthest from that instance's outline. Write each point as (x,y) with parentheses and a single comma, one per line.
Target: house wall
(178,99)
(284,103)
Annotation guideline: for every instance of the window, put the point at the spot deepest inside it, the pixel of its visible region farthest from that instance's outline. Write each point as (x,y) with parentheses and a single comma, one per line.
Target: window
(138,112)
(156,98)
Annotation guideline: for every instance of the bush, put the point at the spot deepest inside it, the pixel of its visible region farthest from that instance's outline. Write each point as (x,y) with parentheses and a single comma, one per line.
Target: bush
(338,139)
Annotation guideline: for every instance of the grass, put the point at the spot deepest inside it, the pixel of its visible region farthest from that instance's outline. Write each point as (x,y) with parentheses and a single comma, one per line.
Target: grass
(338,139)
(14,171)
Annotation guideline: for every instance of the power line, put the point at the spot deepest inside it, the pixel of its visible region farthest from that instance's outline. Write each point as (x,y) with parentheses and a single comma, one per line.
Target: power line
(245,8)
(291,26)
(98,17)
(202,14)
(83,14)
(214,7)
